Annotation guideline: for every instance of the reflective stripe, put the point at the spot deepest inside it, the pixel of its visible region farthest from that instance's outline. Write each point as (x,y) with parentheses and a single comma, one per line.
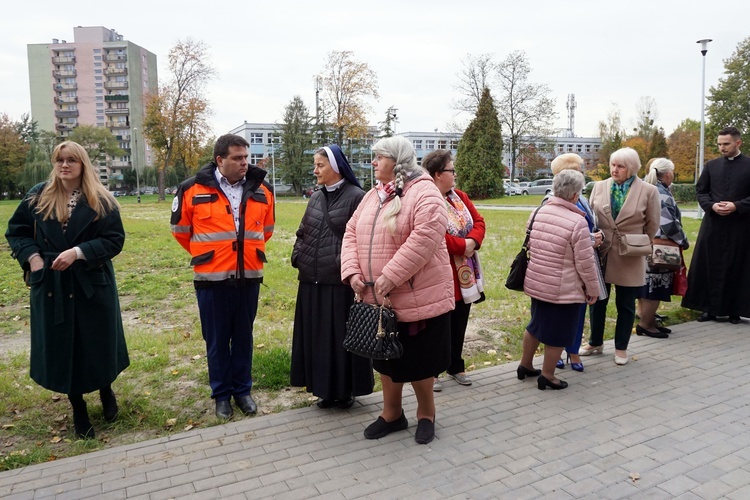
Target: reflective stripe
(268,229)
(254,235)
(180,229)
(206,237)
(226,275)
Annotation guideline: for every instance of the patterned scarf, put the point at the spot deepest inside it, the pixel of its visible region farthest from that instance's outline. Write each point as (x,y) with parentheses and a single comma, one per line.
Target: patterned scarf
(385,190)
(619,193)
(468,269)
(72,203)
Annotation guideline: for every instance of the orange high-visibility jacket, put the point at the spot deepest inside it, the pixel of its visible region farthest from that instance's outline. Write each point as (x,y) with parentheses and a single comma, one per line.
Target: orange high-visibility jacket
(203,223)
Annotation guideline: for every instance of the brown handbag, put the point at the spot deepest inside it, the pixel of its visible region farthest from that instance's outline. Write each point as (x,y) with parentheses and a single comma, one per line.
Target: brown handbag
(665,255)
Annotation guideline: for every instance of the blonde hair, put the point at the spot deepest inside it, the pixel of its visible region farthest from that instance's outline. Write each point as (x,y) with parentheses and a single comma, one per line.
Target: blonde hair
(567,161)
(52,201)
(659,167)
(402,152)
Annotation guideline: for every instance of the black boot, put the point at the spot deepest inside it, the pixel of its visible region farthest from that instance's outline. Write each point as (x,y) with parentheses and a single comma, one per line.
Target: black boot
(81,421)
(109,404)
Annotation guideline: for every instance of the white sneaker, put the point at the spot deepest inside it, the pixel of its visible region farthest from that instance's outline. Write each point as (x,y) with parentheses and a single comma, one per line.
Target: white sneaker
(437,386)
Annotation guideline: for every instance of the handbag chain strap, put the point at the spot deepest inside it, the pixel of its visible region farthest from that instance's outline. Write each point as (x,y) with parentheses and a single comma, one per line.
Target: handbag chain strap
(528,231)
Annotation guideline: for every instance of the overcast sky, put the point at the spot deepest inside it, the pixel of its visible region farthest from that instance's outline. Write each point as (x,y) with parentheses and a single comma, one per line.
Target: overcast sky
(606,53)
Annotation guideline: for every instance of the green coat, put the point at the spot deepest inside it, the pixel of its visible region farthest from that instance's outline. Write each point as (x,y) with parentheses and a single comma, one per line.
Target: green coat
(77,339)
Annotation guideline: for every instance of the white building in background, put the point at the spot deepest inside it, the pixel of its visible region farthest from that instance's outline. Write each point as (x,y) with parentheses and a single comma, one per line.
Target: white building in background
(99,79)
(265,138)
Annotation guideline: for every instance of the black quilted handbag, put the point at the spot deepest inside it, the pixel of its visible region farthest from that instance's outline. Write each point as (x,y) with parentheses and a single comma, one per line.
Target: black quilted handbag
(517,273)
(371,331)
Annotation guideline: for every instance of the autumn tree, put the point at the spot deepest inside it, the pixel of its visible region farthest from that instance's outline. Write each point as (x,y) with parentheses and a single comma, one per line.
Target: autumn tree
(347,84)
(527,111)
(641,146)
(657,148)
(175,122)
(38,162)
(13,152)
(295,161)
(477,73)
(684,144)
(480,151)
(730,98)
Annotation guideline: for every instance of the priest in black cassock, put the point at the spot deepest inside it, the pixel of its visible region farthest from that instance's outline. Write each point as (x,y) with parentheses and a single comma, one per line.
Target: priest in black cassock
(719,274)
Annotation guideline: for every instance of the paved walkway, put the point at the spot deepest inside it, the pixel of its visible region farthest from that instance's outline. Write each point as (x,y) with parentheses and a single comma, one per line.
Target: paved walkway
(677,416)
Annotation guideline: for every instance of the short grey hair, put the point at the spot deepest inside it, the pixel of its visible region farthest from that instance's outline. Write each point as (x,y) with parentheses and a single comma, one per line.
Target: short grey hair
(567,184)
(628,157)
(659,167)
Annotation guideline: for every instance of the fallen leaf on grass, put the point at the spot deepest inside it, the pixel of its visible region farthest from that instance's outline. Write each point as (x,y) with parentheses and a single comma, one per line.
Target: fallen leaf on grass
(260,346)
(171,422)
(175,372)
(487,363)
(508,356)
(471,367)
(8,426)
(197,357)
(55,398)
(8,444)
(635,476)
(188,427)
(55,439)
(491,352)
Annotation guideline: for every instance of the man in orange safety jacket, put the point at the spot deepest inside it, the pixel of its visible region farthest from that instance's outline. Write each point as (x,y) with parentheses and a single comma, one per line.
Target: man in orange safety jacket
(223,217)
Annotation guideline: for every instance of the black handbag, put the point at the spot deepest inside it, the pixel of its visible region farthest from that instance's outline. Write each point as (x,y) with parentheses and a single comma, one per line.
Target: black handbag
(517,273)
(371,331)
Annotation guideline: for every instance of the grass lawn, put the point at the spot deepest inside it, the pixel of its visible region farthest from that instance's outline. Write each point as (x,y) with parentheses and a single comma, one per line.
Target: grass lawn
(165,390)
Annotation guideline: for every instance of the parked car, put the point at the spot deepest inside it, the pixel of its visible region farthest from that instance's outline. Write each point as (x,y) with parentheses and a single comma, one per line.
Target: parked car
(539,186)
(512,189)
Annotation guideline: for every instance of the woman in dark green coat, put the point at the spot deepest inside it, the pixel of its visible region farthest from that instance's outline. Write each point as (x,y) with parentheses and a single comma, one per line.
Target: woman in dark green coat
(64,234)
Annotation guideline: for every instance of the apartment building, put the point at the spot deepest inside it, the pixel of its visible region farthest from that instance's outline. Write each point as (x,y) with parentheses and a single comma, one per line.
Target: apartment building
(98,79)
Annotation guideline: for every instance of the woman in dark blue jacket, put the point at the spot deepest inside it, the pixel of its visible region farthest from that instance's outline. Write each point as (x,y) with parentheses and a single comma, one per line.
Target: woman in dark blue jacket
(319,361)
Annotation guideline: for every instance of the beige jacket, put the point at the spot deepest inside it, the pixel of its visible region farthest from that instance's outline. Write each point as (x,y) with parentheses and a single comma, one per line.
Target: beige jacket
(639,215)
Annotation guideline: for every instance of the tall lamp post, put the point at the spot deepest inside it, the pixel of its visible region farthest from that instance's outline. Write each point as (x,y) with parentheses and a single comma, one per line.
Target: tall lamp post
(704,49)
(273,171)
(135,165)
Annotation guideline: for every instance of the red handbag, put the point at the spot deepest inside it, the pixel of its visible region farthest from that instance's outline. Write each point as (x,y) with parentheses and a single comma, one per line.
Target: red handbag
(679,281)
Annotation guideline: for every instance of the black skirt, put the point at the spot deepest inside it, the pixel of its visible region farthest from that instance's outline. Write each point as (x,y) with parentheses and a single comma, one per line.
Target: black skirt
(426,353)
(555,325)
(658,286)
(319,361)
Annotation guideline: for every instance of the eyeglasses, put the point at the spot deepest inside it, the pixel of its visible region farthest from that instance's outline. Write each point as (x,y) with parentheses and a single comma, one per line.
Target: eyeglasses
(451,170)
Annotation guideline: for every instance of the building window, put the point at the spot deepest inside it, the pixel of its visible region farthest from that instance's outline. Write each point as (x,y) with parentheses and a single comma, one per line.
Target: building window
(579,148)
(442,144)
(417,143)
(97,51)
(588,148)
(97,72)
(429,144)
(100,98)
(273,139)
(97,58)
(570,148)
(256,138)
(255,158)
(99,91)
(99,104)
(454,144)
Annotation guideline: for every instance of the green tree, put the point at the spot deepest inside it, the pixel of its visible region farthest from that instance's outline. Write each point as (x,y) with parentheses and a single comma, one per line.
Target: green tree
(480,151)
(658,147)
(295,159)
(39,160)
(98,142)
(175,122)
(611,135)
(347,84)
(13,151)
(526,109)
(730,98)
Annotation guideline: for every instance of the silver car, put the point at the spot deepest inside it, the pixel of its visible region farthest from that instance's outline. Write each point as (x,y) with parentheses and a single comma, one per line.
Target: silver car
(539,186)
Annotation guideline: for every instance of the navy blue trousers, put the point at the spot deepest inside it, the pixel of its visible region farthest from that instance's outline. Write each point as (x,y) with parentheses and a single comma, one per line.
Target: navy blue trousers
(227,315)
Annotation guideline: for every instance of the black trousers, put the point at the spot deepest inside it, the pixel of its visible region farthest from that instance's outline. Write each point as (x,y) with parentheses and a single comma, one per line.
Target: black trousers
(459,321)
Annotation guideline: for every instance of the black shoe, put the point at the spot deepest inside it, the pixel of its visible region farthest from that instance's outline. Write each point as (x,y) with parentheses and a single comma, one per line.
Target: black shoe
(522,372)
(735,320)
(425,431)
(345,403)
(224,409)
(664,329)
(380,428)
(109,404)
(246,404)
(82,424)
(705,317)
(326,403)
(657,335)
(543,383)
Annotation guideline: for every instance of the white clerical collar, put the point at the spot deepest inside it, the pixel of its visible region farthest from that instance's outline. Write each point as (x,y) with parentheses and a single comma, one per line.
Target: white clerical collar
(735,157)
(334,187)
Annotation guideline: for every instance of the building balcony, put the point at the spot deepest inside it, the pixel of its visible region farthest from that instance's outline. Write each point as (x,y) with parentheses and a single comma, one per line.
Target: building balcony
(115,57)
(119,164)
(117,111)
(62,127)
(116,71)
(116,97)
(115,85)
(65,86)
(66,113)
(63,60)
(66,100)
(116,124)
(59,73)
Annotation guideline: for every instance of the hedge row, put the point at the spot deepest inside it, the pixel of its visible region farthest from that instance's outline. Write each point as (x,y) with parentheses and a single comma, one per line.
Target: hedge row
(684,193)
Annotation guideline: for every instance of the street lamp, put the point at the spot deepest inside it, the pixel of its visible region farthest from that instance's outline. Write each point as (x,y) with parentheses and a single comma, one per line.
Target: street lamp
(273,171)
(134,161)
(704,49)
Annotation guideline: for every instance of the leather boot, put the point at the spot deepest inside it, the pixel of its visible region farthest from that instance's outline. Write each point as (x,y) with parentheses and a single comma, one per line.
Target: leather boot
(81,421)
(109,404)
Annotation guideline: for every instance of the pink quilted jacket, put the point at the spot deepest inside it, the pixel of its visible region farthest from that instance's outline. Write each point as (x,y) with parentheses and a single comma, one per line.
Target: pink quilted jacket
(415,259)
(562,266)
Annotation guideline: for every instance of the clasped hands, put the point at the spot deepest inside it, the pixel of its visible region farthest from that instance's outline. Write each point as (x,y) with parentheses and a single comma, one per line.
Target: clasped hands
(382,286)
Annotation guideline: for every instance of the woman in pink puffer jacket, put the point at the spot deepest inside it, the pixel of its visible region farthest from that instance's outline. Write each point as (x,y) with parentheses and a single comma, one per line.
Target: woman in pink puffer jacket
(561,276)
(395,245)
